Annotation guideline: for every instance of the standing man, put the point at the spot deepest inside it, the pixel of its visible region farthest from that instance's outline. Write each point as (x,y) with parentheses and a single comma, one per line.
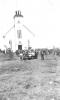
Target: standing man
(42,55)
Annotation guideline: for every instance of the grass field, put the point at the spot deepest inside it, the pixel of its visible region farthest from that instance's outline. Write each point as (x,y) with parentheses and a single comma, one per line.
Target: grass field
(31,79)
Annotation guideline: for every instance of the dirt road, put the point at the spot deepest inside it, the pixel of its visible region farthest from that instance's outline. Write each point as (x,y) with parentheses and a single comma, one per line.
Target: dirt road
(30,80)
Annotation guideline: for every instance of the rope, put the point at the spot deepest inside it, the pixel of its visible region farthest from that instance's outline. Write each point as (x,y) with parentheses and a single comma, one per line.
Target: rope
(29,30)
(8,31)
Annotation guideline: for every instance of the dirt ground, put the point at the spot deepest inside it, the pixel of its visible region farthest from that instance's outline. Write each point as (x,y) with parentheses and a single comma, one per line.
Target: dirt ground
(30,79)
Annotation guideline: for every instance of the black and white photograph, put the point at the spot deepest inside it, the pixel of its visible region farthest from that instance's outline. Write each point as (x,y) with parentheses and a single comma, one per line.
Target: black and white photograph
(29,49)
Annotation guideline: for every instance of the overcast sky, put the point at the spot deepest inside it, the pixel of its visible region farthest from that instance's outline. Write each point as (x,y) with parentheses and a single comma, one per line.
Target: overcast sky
(41,16)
